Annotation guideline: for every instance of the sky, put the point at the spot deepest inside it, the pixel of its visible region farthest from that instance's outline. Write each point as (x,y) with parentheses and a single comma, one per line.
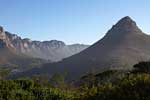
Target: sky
(71,21)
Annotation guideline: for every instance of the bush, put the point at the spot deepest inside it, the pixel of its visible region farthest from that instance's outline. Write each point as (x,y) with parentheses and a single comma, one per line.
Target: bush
(143,67)
(132,87)
(26,89)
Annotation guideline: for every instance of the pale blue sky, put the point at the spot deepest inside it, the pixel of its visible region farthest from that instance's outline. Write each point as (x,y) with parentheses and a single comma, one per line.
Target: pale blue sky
(72,21)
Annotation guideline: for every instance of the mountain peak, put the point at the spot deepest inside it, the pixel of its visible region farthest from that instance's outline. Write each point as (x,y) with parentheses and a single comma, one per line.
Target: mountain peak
(125,25)
(126,21)
(127,18)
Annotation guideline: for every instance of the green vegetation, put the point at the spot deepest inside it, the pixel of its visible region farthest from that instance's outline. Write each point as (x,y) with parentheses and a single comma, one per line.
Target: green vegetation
(27,89)
(131,87)
(142,67)
(109,85)
(4,73)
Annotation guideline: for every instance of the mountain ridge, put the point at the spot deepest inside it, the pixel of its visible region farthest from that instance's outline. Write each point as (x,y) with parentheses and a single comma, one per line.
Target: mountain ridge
(52,50)
(123,46)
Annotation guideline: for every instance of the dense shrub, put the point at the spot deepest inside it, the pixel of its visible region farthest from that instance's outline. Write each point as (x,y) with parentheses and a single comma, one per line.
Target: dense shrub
(132,87)
(26,89)
(142,67)
(108,85)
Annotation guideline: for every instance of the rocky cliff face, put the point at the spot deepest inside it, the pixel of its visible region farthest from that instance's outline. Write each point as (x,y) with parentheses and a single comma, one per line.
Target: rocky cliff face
(50,50)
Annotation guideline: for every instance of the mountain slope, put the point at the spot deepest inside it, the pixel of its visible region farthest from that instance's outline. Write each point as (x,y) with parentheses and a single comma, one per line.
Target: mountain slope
(123,46)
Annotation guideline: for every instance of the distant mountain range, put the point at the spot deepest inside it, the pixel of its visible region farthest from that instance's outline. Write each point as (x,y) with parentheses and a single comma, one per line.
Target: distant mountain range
(50,50)
(20,54)
(123,46)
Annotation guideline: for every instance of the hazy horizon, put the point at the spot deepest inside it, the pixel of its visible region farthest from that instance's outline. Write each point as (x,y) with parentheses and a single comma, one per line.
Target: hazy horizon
(71,21)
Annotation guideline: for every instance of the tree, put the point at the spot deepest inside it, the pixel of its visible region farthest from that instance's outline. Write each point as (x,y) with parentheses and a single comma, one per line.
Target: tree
(41,80)
(143,67)
(58,80)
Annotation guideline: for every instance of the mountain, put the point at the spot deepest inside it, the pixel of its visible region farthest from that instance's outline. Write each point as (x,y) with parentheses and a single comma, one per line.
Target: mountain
(19,54)
(11,59)
(123,46)
(50,50)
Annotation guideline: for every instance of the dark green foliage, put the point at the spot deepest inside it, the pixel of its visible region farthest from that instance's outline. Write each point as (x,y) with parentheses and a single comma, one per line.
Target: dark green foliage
(103,78)
(58,80)
(10,90)
(89,80)
(25,84)
(41,80)
(132,87)
(121,85)
(143,67)
(108,85)
(26,89)
(110,76)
